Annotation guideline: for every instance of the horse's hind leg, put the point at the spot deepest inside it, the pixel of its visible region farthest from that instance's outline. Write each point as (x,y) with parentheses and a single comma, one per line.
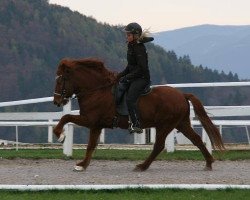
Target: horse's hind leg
(189,132)
(93,138)
(161,134)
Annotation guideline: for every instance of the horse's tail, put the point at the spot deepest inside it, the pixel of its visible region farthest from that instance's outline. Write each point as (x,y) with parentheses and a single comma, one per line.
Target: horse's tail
(212,131)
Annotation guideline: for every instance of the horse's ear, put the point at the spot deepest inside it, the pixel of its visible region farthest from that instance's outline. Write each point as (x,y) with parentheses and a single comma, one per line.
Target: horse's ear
(66,69)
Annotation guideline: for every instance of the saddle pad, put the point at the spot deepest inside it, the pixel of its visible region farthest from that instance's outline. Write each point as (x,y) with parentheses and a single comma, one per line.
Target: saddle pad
(122,108)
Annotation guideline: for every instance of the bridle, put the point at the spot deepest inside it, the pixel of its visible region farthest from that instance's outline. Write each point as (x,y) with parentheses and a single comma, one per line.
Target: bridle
(79,94)
(63,89)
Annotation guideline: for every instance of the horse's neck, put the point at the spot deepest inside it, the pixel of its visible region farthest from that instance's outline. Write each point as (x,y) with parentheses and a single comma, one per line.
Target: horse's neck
(96,100)
(89,88)
(93,79)
(87,81)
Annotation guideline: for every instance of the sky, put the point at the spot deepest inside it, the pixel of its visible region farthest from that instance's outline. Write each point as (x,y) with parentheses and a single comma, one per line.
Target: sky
(163,15)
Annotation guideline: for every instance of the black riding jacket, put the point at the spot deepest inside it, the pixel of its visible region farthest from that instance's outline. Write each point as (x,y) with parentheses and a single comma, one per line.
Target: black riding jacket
(137,58)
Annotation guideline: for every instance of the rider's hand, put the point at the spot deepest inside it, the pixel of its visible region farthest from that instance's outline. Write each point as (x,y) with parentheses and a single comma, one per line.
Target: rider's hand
(124,79)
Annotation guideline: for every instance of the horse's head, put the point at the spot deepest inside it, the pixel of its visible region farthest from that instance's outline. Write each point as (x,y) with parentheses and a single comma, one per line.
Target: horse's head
(64,86)
(80,77)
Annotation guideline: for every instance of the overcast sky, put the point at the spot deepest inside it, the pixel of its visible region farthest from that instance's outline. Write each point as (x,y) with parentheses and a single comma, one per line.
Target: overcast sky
(160,15)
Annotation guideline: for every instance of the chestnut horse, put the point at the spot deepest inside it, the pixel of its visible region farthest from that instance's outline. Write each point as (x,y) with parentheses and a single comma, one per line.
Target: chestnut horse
(164,108)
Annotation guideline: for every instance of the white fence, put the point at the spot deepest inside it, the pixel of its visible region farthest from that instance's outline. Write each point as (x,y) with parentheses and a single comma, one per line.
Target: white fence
(123,186)
(50,119)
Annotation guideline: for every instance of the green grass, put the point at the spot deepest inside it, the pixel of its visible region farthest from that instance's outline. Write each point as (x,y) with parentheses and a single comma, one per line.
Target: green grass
(139,194)
(113,154)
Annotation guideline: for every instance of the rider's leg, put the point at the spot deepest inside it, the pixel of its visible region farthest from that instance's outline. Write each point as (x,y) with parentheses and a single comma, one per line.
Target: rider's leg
(135,90)
(121,89)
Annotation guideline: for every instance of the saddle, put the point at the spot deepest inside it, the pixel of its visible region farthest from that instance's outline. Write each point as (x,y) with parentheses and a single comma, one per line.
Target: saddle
(120,98)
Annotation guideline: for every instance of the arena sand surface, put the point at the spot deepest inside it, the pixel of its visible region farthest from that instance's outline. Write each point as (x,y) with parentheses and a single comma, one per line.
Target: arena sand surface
(60,172)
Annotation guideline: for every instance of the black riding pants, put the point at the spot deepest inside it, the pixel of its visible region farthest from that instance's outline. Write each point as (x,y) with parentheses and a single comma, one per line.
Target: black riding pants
(135,89)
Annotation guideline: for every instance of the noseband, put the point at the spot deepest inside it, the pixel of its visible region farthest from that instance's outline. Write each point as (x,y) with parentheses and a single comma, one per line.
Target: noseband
(63,90)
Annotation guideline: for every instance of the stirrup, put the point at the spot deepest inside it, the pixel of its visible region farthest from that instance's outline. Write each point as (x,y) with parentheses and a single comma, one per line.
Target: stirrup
(134,129)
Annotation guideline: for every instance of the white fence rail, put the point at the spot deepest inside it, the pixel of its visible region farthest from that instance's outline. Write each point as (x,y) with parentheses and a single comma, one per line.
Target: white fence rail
(123,186)
(49,119)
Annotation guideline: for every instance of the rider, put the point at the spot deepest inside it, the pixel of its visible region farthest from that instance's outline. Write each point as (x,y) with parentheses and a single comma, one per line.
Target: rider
(135,77)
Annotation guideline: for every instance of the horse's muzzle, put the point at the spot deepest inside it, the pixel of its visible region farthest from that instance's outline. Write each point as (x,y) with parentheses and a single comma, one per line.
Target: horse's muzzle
(57,104)
(61,102)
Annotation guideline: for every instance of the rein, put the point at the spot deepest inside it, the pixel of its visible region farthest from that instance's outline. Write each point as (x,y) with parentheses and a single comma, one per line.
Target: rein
(81,93)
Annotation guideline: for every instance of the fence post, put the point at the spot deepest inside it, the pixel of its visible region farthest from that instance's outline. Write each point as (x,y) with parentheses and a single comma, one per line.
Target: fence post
(247,132)
(102,136)
(152,135)
(169,143)
(220,128)
(206,140)
(17,139)
(140,138)
(50,132)
(68,130)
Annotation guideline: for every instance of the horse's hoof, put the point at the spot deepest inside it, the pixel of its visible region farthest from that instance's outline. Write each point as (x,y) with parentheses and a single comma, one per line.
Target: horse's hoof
(207,168)
(139,168)
(78,169)
(62,137)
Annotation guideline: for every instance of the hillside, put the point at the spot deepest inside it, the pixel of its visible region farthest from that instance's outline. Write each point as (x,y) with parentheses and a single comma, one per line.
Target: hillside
(219,47)
(35,36)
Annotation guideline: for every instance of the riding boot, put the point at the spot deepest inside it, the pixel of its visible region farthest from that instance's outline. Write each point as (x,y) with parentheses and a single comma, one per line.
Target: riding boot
(134,124)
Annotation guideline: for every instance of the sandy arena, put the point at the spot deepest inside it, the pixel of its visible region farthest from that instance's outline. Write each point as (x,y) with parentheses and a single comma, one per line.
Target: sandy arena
(57,172)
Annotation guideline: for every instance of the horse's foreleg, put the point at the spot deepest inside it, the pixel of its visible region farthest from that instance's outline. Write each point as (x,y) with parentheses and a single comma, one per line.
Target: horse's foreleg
(93,138)
(76,119)
(161,134)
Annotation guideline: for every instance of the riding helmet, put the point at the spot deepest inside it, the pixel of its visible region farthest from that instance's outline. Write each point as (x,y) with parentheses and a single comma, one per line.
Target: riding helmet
(133,28)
